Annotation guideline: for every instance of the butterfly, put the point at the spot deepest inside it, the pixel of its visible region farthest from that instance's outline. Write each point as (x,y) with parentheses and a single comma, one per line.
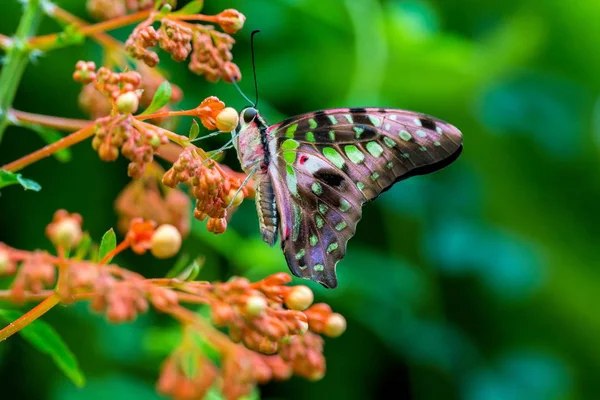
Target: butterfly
(313,172)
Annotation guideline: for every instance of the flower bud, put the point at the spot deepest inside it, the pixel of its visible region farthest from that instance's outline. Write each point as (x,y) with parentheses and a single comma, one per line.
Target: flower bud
(166,241)
(255,305)
(231,20)
(227,119)
(335,325)
(299,298)
(128,103)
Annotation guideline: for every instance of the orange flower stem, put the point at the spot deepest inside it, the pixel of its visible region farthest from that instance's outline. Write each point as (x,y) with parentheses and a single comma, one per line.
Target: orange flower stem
(28,296)
(163,114)
(29,317)
(50,149)
(63,124)
(195,17)
(124,245)
(102,38)
(43,42)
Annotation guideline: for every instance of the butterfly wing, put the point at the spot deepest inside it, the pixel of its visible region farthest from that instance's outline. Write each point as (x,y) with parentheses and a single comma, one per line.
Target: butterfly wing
(326,165)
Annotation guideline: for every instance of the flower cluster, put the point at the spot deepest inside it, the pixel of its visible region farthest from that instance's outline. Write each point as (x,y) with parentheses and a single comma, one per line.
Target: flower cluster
(149,199)
(278,338)
(210,50)
(138,141)
(212,187)
(105,90)
(273,330)
(108,9)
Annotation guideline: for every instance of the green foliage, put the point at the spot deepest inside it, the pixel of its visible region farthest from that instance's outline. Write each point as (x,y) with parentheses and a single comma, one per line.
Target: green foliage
(478,282)
(161,98)
(10,178)
(108,244)
(44,338)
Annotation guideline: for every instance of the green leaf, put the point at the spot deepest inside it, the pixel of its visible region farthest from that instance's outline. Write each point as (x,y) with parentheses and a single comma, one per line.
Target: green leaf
(10,178)
(194,130)
(179,266)
(108,244)
(192,271)
(49,135)
(193,7)
(161,98)
(43,337)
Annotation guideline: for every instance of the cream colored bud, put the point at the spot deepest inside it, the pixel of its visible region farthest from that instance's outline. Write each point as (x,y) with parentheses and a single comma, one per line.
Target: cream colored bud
(166,241)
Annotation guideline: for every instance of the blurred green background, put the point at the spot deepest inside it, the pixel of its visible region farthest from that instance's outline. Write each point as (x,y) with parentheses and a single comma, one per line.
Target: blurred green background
(479,282)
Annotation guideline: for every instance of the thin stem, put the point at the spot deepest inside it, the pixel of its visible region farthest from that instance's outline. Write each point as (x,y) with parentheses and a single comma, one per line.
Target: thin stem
(50,149)
(63,124)
(29,317)
(121,247)
(47,41)
(16,60)
(195,17)
(102,38)
(28,296)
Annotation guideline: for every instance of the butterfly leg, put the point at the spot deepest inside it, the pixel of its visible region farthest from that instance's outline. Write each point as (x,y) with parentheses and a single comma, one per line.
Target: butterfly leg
(244,183)
(207,136)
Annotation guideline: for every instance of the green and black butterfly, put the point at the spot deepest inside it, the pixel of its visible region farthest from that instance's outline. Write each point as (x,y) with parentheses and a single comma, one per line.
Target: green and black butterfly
(313,172)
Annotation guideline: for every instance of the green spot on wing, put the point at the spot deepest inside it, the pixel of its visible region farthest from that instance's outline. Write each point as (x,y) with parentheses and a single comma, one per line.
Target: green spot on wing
(436,143)
(360,186)
(359,131)
(323,208)
(289,156)
(332,155)
(389,142)
(332,119)
(404,135)
(319,267)
(349,118)
(332,247)
(389,165)
(310,137)
(376,121)
(332,135)
(297,220)
(344,205)
(313,240)
(300,254)
(291,130)
(317,188)
(354,154)
(312,123)
(375,149)
(290,144)
(291,180)
(319,220)
(374,176)
(421,133)
(340,226)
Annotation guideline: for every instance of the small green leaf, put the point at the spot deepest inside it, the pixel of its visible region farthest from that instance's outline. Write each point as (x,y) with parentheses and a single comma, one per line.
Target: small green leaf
(188,362)
(49,136)
(193,7)
(10,178)
(108,244)
(179,266)
(43,337)
(194,130)
(192,271)
(161,98)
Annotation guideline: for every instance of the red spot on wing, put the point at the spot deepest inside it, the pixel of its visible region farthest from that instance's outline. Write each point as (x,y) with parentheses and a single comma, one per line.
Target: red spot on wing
(287,232)
(303,159)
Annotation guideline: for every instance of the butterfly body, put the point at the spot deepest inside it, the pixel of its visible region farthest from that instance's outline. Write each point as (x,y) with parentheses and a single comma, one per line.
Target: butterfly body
(313,173)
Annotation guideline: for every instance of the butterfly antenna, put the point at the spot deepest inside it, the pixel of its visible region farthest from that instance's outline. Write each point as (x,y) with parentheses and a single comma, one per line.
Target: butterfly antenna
(240,90)
(254,32)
